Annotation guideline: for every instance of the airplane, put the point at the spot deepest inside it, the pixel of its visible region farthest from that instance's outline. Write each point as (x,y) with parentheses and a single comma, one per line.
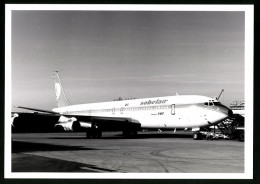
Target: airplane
(130,116)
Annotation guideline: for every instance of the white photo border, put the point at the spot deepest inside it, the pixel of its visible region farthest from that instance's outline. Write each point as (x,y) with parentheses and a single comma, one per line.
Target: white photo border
(248,149)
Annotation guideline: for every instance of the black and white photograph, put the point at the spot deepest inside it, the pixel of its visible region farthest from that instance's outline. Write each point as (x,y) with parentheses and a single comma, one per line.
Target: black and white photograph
(129,91)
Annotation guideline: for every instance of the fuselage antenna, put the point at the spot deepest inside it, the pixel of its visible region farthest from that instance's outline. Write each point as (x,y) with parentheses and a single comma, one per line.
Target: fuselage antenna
(220,94)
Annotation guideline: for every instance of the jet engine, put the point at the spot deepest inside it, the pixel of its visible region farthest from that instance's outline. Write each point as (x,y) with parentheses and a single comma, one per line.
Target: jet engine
(71,124)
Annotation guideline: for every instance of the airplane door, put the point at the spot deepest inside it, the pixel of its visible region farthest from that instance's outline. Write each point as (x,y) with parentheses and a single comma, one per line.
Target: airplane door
(173,109)
(113,111)
(121,110)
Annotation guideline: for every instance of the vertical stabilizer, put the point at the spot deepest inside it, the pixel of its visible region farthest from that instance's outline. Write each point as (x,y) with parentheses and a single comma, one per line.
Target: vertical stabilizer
(61,98)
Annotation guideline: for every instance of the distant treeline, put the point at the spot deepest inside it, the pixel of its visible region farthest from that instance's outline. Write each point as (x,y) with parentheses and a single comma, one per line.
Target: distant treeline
(120,98)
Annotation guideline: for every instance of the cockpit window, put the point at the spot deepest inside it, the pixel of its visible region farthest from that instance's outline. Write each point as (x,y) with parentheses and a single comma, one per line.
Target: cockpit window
(217,103)
(211,103)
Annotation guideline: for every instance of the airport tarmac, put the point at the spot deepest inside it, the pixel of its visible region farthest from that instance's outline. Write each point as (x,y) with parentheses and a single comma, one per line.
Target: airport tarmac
(149,152)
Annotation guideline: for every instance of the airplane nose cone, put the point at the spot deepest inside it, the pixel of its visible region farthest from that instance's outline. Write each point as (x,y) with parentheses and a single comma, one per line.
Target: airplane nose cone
(226,110)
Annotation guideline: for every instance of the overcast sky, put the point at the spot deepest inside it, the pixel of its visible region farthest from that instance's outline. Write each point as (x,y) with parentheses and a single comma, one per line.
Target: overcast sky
(104,55)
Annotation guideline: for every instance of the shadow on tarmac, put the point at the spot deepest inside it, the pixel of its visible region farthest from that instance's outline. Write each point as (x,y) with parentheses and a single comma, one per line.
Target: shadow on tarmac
(20,147)
(22,162)
(33,163)
(138,136)
(153,135)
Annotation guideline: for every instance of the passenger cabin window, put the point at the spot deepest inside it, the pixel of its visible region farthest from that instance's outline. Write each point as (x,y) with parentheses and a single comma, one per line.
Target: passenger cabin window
(217,103)
(113,111)
(173,109)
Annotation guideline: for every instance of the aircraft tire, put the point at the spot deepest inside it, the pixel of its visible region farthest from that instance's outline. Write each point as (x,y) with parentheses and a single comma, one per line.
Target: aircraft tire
(89,134)
(134,133)
(76,126)
(93,134)
(130,133)
(59,128)
(98,134)
(197,136)
(126,133)
(231,137)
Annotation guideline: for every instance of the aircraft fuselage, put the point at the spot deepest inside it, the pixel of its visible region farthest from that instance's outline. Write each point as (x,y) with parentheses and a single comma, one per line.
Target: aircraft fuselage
(185,111)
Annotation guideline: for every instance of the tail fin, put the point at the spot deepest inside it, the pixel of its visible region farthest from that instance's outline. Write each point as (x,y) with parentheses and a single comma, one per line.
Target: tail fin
(60,94)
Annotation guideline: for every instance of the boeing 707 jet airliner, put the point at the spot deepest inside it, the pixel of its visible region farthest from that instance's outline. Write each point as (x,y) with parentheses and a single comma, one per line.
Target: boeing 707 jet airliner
(130,116)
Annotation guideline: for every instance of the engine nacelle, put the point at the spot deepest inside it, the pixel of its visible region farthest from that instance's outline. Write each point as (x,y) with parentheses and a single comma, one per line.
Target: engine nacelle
(79,126)
(65,124)
(71,124)
(85,124)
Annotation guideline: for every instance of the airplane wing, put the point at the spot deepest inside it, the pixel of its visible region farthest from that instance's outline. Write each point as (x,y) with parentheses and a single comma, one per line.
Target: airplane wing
(40,118)
(33,122)
(36,110)
(108,123)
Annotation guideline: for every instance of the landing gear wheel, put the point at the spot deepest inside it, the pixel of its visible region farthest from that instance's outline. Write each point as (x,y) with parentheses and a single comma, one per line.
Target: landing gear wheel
(211,137)
(93,134)
(197,136)
(88,134)
(59,128)
(98,134)
(231,137)
(129,133)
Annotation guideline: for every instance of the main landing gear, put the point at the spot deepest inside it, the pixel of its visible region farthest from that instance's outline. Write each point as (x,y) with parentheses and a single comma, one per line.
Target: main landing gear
(93,133)
(129,133)
(197,136)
